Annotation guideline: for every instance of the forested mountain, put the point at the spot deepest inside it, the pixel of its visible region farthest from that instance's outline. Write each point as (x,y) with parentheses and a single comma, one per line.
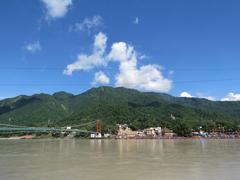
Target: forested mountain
(119,105)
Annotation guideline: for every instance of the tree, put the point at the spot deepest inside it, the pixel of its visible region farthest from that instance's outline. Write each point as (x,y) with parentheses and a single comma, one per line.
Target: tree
(182,128)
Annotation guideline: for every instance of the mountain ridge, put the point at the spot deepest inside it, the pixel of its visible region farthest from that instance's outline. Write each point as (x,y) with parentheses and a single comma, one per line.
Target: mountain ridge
(117,105)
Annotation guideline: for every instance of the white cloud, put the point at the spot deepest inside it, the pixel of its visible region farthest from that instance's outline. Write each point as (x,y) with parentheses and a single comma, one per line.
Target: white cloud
(57,8)
(101,78)
(87,62)
(199,95)
(136,20)
(186,95)
(211,98)
(33,47)
(145,78)
(231,97)
(88,24)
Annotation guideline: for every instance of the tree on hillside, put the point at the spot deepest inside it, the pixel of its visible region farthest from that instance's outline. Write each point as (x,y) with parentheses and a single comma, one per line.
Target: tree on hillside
(182,128)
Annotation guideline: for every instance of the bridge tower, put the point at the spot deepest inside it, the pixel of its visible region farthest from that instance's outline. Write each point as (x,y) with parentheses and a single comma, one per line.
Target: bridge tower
(98,126)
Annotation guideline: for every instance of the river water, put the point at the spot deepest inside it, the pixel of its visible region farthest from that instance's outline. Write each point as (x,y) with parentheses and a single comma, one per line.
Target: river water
(119,159)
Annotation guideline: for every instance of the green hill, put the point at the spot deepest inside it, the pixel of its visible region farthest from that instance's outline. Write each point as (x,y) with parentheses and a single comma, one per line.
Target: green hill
(119,105)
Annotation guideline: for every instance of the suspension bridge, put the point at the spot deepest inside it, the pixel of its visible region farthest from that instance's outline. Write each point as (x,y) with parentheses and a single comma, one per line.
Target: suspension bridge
(11,129)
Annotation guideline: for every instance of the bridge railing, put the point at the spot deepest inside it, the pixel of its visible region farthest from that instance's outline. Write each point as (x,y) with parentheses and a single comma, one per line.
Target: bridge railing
(41,129)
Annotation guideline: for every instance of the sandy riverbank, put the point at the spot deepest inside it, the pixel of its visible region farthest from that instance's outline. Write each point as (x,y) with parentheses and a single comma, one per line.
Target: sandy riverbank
(20,137)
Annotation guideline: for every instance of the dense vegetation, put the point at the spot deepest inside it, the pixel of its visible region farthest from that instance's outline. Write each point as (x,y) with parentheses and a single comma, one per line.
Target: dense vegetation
(120,105)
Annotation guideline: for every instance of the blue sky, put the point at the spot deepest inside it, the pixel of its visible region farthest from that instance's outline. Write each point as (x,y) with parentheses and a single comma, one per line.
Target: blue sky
(186,47)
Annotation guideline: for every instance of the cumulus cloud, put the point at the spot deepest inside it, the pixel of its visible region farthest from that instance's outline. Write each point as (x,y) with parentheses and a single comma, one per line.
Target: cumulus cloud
(101,78)
(57,8)
(231,97)
(33,47)
(87,62)
(145,78)
(88,24)
(136,20)
(186,95)
(199,95)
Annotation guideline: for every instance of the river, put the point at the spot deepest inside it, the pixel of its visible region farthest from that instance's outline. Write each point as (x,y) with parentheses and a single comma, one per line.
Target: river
(119,159)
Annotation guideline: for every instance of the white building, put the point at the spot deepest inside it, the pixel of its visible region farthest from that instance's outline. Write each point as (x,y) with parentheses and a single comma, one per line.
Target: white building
(107,135)
(96,135)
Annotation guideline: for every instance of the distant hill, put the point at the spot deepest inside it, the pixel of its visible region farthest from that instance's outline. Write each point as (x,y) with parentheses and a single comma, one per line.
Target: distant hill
(118,105)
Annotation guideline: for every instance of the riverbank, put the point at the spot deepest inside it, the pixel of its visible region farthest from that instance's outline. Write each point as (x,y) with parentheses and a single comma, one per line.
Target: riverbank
(19,137)
(136,138)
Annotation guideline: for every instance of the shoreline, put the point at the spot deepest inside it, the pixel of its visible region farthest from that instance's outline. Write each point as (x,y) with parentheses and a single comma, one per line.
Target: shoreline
(28,137)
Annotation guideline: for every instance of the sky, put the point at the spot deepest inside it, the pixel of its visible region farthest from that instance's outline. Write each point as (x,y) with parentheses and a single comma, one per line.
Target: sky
(187,48)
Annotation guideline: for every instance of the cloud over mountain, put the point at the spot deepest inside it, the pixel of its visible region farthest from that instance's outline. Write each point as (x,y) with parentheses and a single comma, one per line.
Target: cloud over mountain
(101,78)
(231,97)
(186,95)
(199,95)
(145,78)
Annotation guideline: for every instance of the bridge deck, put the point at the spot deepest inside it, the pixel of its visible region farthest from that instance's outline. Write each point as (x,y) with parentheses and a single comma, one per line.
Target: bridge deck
(41,129)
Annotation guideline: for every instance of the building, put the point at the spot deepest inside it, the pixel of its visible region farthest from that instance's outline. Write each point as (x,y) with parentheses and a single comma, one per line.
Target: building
(107,135)
(168,133)
(140,134)
(124,132)
(149,132)
(95,135)
(153,131)
(158,131)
